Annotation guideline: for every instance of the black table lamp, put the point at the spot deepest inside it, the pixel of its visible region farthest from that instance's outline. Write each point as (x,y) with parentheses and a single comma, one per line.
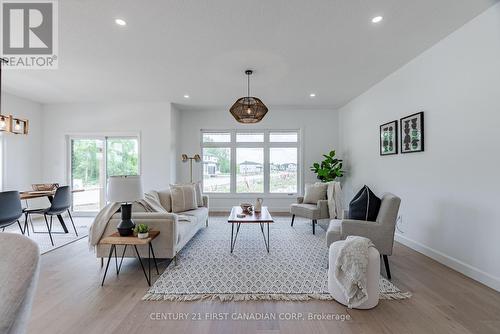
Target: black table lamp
(125,190)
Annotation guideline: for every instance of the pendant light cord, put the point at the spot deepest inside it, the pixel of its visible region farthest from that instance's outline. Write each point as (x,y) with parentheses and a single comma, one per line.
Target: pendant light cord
(248,85)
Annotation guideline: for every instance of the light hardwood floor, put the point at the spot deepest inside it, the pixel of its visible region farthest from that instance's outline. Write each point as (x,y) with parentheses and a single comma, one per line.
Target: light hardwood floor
(70,300)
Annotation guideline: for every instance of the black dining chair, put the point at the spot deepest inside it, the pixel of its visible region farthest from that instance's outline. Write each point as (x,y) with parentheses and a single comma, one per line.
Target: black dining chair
(60,204)
(10,209)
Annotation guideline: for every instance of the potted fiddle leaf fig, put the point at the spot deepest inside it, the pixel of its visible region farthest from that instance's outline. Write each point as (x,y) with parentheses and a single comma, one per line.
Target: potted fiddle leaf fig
(142,231)
(328,169)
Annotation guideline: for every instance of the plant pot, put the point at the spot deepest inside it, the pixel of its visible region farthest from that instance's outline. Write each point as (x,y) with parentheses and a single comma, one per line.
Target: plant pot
(143,235)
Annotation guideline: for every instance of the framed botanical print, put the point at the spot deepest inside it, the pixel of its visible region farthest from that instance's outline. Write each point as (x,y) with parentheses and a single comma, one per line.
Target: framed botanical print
(412,133)
(389,138)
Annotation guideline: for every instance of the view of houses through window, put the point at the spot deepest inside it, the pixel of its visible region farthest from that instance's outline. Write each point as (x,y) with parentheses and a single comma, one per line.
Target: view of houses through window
(250,162)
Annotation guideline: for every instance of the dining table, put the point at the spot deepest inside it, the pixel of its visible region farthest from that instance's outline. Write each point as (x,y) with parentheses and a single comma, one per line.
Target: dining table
(31,194)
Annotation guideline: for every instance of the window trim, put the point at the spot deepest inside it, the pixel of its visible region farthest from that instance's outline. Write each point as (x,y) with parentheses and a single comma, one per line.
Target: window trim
(266,145)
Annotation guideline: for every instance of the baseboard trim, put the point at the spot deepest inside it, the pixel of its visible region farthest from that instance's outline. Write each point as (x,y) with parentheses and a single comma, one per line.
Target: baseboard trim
(461,267)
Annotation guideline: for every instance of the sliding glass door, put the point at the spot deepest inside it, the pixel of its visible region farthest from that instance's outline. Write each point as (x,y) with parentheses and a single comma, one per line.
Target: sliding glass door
(87,166)
(92,161)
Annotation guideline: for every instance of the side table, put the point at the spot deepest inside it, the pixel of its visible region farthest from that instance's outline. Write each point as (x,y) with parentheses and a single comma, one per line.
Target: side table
(116,240)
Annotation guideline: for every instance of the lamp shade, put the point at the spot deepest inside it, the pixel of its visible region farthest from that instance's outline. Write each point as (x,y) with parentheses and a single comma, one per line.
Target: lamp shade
(124,189)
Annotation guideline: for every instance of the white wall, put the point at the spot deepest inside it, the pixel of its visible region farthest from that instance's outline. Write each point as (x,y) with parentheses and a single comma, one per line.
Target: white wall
(319,135)
(150,120)
(449,193)
(22,154)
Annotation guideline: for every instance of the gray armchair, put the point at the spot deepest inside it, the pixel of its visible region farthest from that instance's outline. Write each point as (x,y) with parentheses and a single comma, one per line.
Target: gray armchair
(380,232)
(310,211)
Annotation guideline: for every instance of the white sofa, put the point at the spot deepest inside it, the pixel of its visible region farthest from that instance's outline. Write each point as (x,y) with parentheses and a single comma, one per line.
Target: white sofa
(174,234)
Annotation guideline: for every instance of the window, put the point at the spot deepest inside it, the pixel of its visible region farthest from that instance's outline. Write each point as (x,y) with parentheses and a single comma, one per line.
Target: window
(249,170)
(251,162)
(216,170)
(122,156)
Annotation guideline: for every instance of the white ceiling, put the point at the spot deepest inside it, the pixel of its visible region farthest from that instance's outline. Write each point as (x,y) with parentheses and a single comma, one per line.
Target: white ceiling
(201,48)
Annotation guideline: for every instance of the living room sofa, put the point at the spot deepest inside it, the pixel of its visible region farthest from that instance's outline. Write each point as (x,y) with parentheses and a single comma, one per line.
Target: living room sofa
(174,233)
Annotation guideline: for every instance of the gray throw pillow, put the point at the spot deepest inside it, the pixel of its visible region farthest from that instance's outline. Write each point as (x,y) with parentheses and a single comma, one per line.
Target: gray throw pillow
(315,192)
(183,197)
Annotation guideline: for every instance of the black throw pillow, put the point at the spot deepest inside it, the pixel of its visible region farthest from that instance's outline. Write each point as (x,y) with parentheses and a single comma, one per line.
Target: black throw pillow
(364,205)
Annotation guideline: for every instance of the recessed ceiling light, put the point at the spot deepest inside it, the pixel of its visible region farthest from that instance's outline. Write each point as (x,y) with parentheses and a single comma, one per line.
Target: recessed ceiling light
(186,96)
(312,95)
(377,19)
(120,22)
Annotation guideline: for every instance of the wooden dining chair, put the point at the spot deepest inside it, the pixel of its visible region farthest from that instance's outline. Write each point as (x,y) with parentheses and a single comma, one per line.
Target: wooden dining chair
(10,209)
(60,204)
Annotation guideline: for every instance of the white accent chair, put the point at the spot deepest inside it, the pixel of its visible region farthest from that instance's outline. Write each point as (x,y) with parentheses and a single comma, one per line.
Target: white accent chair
(373,272)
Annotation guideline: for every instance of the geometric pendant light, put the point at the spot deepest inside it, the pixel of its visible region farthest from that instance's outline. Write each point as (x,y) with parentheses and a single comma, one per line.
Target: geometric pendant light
(248,110)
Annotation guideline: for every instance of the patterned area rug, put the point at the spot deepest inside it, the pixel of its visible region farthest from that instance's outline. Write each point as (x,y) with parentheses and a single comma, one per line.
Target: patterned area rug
(295,269)
(60,240)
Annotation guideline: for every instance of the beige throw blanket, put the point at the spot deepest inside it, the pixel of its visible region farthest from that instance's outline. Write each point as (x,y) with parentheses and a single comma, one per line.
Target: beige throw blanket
(150,203)
(351,265)
(335,200)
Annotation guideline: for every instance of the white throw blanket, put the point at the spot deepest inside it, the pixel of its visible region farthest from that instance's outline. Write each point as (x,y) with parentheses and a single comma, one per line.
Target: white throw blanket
(335,200)
(150,203)
(351,265)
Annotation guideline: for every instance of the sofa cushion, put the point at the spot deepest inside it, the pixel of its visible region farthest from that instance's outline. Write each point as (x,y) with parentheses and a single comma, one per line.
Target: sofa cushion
(364,205)
(334,231)
(165,199)
(315,192)
(310,211)
(201,214)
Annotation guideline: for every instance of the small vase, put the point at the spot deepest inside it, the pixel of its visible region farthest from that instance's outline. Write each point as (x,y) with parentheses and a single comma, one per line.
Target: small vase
(143,235)
(258,205)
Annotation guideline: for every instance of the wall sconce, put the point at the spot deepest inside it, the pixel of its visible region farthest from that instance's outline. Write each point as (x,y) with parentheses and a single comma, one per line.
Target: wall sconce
(185,158)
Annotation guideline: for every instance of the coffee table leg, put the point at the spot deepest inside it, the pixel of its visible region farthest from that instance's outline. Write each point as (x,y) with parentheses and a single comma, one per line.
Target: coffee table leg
(107,264)
(142,266)
(232,231)
(233,243)
(266,242)
(268,239)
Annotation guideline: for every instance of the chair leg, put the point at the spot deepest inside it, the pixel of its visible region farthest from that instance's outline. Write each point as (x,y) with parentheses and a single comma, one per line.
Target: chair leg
(314,226)
(387,270)
(293,218)
(26,226)
(48,228)
(72,223)
(20,227)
